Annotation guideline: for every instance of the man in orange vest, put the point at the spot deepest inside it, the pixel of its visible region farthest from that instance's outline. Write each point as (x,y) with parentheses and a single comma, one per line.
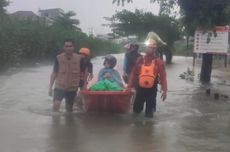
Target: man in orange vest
(148,71)
(66,74)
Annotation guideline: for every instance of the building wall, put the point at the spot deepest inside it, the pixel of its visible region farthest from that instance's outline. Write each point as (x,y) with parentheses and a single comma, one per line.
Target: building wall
(51,13)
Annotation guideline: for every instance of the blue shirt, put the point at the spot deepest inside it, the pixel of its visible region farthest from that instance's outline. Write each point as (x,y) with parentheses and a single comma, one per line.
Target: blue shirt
(115,76)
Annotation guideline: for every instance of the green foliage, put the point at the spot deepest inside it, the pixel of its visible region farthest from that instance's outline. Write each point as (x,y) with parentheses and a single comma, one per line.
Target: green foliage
(166,6)
(66,21)
(3,3)
(182,48)
(199,13)
(118,2)
(205,13)
(140,23)
(30,40)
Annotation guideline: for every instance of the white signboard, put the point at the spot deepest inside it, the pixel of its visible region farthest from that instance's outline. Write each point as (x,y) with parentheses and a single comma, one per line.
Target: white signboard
(209,42)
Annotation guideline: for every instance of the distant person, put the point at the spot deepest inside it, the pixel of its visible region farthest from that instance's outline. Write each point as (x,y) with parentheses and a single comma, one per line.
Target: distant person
(131,57)
(67,70)
(127,47)
(146,74)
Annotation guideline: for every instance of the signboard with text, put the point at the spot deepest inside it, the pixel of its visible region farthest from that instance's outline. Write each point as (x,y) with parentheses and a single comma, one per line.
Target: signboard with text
(212,42)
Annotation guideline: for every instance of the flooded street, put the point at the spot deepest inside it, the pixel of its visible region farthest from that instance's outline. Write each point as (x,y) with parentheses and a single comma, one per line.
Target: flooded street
(189,121)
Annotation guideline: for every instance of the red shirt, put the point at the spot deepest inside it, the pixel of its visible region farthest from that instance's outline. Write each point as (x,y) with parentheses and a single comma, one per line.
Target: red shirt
(133,81)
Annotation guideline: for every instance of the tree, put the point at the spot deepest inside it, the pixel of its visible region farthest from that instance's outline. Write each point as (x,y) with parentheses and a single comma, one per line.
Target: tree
(3,4)
(139,23)
(66,20)
(165,5)
(205,14)
(121,2)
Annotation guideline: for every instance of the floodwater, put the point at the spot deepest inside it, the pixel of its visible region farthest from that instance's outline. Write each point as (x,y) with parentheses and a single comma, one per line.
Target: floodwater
(188,121)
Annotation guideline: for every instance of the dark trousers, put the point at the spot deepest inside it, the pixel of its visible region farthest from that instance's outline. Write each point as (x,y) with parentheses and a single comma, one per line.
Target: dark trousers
(68,95)
(145,95)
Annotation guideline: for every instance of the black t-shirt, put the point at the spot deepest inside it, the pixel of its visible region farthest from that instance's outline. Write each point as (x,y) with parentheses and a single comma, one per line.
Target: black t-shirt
(131,60)
(87,64)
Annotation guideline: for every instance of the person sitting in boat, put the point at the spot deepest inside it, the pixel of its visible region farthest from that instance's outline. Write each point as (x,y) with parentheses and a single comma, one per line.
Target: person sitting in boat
(108,72)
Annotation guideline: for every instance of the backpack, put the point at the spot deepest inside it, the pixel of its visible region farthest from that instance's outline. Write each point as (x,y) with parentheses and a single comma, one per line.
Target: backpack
(147,75)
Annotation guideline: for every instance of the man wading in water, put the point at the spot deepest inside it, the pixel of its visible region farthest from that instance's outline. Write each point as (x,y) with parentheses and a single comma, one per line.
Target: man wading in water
(66,74)
(146,74)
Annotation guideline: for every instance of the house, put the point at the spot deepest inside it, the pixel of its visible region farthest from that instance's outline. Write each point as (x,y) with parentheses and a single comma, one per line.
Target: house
(24,15)
(51,13)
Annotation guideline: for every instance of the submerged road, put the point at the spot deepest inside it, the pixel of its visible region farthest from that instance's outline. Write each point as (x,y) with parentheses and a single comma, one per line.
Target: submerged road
(189,121)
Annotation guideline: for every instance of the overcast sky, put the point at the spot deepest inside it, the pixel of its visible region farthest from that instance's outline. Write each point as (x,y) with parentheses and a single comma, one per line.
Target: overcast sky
(89,12)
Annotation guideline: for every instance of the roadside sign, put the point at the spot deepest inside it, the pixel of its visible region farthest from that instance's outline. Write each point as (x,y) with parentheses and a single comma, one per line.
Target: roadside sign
(209,42)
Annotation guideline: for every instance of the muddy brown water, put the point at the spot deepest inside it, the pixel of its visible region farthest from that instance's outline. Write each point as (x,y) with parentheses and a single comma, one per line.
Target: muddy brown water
(189,121)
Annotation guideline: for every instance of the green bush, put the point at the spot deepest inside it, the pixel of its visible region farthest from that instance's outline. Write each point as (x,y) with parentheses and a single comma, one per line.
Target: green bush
(35,40)
(182,49)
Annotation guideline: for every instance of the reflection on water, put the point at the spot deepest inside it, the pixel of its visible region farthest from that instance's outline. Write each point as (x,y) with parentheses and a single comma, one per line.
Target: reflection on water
(63,134)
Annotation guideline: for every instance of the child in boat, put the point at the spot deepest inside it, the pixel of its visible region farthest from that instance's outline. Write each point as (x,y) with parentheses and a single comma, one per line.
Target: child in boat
(108,72)
(109,79)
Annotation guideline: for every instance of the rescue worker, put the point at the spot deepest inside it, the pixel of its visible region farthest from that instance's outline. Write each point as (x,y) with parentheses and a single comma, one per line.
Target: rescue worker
(127,47)
(88,74)
(148,71)
(131,57)
(66,73)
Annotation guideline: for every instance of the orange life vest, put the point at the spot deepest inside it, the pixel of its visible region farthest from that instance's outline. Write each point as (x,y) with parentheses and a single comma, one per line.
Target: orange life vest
(147,75)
